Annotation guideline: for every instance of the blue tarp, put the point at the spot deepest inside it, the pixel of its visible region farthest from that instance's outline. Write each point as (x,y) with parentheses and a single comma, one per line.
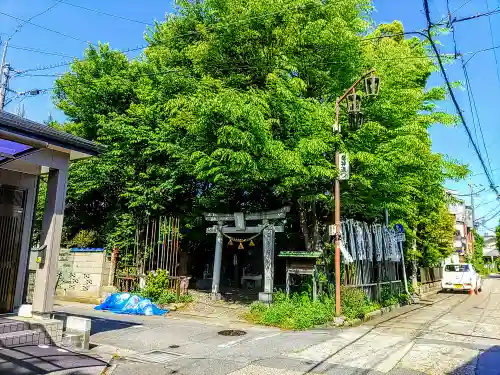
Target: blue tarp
(127,303)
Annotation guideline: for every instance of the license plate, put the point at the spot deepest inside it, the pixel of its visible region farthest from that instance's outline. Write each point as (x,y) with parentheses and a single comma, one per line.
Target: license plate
(458,286)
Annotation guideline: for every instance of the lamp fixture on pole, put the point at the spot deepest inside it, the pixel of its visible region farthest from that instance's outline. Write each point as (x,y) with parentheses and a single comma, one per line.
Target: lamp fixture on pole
(372,85)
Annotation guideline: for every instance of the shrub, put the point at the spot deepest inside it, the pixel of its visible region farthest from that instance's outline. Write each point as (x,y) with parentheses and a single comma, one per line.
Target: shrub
(404,299)
(156,285)
(296,312)
(157,289)
(84,238)
(300,312)
(352,301)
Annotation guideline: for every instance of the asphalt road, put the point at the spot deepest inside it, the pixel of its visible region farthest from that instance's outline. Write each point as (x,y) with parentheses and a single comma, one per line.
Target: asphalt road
(443,334)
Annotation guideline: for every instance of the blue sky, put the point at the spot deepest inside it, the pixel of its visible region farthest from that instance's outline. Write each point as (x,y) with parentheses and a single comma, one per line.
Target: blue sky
(81,24)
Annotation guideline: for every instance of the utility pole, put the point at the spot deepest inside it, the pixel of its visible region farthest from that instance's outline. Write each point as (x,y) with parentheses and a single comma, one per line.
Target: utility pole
(4,77)
(472,214)
(472,205)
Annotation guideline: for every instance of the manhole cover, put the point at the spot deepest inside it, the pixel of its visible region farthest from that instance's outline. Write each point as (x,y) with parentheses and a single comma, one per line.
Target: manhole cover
(232,332)
(156,356)
(173,346)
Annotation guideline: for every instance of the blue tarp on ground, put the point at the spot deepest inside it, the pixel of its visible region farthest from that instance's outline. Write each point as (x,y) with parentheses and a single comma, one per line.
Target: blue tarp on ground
(127,303)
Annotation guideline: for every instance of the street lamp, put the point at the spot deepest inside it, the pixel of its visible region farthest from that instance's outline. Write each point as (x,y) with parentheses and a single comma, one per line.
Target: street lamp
(371,83)
(353,103)
(356,120)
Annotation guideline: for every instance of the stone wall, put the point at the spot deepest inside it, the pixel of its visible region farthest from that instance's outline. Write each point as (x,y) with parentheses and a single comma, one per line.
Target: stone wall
(82,273)
(428,288)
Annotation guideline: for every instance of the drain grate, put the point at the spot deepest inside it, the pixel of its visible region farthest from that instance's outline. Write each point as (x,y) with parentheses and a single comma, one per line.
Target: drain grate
(156,356)
(232,332)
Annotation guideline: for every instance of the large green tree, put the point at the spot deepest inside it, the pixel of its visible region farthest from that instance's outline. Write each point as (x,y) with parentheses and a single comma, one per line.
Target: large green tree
(231,108)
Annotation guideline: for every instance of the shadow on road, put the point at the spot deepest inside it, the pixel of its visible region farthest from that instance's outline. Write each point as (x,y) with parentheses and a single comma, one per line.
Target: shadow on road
(486,363)
(42,356)
(99,324)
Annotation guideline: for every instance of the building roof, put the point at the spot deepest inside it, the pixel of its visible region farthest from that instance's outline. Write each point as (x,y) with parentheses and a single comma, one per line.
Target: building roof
(16,132)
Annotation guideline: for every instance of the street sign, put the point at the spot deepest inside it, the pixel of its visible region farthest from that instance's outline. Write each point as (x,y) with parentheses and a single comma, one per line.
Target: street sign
(343,167)
(400,237)
(399,228)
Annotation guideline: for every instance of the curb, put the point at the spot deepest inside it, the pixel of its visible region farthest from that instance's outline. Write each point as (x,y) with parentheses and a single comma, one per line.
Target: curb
(340,322)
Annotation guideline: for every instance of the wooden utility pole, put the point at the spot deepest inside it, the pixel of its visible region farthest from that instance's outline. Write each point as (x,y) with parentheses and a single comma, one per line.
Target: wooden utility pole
(4,77)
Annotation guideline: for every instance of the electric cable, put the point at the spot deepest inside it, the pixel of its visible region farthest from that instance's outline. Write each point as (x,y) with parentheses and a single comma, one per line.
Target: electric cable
(46,28)
(105,13)
(18,28)
(452,95)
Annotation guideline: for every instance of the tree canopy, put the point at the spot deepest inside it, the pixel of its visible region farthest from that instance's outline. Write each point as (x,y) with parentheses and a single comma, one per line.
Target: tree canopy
(231,107)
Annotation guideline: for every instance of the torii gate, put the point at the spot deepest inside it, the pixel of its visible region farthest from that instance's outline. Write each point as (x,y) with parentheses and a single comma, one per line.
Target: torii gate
(268,231)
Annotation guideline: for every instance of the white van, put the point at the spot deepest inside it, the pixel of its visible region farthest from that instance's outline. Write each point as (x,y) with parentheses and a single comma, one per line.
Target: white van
(461,277)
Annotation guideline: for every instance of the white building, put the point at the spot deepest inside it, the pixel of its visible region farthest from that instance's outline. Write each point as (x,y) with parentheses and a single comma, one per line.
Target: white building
(462,241)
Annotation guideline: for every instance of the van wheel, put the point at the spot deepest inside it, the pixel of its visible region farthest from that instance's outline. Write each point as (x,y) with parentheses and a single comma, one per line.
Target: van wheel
(480,289)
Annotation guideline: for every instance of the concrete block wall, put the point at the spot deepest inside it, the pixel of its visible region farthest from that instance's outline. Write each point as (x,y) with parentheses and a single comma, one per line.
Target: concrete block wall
(82,273)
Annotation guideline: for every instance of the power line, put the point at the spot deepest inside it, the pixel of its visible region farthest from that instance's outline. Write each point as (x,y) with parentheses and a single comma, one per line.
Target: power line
(468,194)
(496,63)
(452,12)
(488,216)
(468,85)
(36,50)
(67,63)
(475,16)
(190,33)
(104,13)
(45,28)
(479,15)
(479,174)
(22,73)
(18,28)
(477,116)
(483,203)
(453,98)
(471,98)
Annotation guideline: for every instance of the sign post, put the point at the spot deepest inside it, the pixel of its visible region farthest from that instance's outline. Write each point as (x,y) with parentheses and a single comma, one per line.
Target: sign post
(343,167)
(400,238)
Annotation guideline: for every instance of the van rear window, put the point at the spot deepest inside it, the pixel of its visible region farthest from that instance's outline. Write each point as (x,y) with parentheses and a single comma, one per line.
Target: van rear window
(457,268)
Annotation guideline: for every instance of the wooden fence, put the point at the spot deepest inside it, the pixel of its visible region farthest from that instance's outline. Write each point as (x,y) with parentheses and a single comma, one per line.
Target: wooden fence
(156,247)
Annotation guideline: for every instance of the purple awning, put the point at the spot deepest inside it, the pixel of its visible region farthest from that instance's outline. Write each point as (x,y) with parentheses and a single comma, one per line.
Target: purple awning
(10,149)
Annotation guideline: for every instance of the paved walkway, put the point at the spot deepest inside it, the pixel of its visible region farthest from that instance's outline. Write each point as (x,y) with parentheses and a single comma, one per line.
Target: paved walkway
(445,334)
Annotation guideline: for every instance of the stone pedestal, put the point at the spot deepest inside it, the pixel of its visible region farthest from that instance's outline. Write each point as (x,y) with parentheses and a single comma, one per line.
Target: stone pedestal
(265,297)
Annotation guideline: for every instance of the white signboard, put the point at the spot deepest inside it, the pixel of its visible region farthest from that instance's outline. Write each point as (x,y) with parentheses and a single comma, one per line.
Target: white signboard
(343,167)
(400,237)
